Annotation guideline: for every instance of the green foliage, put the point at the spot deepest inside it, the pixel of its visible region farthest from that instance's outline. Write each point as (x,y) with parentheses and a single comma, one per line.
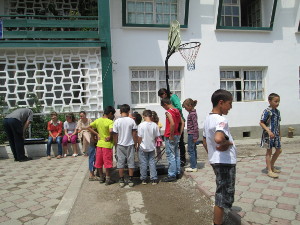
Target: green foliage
(3,106)
(3,137)
(88,8)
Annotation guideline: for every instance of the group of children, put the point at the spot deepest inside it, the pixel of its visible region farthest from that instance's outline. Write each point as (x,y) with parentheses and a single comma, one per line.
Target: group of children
(129,136)
(66,132)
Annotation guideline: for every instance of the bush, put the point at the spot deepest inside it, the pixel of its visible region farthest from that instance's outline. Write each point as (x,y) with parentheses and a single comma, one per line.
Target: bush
(3,136)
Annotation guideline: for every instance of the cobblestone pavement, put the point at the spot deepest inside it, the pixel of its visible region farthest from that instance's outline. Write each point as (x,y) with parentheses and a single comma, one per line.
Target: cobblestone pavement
(260,199)
(43,191)
(31,191)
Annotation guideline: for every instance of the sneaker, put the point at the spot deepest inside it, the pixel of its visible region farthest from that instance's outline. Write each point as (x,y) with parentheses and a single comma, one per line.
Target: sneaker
(169,179)
(154,182)
(58,157)
(179,176)
(272,174)
(109,182)
(276,170)
(191,169)
(121,182)
(144,182)
(130,182)
(49,157)
(65,155)
(25,159)
(94,178)
(101,180)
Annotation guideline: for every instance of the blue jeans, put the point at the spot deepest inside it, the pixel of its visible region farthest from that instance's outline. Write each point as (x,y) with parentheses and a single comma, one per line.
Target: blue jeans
(173,156)
(145,159)
(92,154)
(59,146)
(192,151)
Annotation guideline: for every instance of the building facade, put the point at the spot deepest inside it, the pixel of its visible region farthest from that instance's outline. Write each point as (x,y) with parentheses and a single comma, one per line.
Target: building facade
(83,55)
(56,51)
(250,48)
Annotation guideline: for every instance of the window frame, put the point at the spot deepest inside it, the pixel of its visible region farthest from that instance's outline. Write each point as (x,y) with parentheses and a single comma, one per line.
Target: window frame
(125,24)
(220,27)
(243,80)
(157,79)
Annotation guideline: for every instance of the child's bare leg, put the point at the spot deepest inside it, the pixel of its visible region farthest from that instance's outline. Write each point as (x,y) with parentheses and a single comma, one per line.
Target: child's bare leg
(275,157)
(269,163)
(100,171)
(130,170)
(74,146)
(102,177)
(218,215)
(65,147)
(121,172)
(92,174)
(268,159)
(107,172)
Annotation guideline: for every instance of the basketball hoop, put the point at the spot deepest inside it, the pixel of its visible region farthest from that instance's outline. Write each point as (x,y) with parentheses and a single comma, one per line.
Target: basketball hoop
(189,52)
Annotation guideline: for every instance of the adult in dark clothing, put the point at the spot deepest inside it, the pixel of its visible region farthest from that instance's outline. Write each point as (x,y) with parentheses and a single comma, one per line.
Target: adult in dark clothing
(15,125)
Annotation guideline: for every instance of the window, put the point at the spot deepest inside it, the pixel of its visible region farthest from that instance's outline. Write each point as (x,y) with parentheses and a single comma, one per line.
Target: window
(146,83)
(154,12)
(246,14)
(243,84)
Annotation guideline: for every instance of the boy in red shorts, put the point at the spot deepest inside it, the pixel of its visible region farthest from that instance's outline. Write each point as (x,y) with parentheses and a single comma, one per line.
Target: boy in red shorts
(104,151)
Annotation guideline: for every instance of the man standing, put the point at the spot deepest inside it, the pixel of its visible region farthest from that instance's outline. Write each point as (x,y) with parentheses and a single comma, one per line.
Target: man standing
(15,125)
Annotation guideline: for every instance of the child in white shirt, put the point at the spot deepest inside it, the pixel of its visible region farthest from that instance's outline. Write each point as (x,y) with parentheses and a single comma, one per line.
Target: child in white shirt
(147,133)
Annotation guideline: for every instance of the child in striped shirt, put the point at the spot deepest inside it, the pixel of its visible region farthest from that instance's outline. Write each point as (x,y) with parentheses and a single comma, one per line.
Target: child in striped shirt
(193,133)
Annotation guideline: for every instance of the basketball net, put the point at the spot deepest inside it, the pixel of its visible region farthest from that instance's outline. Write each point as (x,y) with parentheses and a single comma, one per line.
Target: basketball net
(189,52)
(174,38)
(174,41)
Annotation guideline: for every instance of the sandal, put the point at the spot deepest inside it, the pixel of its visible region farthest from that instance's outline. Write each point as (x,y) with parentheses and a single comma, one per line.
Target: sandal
(272,174)
(275,170)
(95,178)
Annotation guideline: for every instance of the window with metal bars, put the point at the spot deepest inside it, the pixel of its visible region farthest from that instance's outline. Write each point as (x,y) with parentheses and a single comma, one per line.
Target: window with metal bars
(145,84)
(243,84)
(246,14)
(154,12)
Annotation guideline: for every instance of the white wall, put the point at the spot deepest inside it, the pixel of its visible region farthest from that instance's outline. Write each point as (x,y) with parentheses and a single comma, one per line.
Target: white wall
(278,51)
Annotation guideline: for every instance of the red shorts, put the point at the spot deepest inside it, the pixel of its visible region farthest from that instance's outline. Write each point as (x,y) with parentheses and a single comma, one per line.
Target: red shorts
(104,156)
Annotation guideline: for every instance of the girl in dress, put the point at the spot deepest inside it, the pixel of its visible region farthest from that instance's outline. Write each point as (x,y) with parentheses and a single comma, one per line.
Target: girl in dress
(84,134)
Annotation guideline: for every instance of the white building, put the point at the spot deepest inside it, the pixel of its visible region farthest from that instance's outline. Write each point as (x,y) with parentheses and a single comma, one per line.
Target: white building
(250,48)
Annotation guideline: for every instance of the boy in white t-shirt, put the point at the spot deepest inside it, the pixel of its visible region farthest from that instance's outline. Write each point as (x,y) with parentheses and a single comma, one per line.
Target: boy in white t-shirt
(221,150)
(147,133)
(125,139)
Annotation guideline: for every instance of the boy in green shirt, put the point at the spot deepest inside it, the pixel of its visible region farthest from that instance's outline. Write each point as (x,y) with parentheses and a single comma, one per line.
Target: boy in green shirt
(104,150)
